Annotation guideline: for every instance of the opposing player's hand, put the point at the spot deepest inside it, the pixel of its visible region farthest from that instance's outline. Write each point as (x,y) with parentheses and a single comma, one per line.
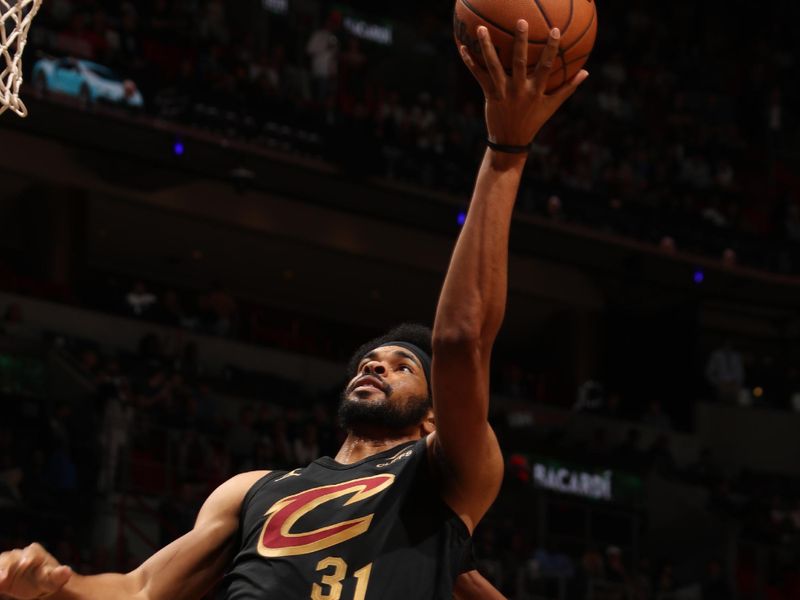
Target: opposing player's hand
(517,105)
(31,573)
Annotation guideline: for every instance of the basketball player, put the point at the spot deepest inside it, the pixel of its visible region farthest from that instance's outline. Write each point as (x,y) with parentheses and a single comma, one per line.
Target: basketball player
(390,517)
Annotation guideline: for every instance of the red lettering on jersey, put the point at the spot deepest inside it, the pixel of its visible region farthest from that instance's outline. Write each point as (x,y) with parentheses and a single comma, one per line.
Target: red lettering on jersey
(277,537)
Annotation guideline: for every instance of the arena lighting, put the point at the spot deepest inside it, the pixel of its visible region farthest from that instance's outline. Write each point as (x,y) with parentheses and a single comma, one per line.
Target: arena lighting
(461,218)
(699,277)
(178,148)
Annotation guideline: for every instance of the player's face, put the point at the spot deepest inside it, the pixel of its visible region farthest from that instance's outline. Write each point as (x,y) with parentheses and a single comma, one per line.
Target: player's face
(389,390)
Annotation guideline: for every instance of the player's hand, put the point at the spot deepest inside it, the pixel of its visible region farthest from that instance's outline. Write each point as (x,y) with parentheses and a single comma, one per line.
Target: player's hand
(517,105)
(31,573)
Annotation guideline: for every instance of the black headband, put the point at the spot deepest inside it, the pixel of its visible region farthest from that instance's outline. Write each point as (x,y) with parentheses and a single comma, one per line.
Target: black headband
(422,356)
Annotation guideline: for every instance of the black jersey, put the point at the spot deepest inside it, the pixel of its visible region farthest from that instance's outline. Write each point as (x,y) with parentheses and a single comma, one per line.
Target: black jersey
(374,530)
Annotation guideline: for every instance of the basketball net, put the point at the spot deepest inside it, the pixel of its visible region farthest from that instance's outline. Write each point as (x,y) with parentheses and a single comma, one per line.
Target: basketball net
(15,20)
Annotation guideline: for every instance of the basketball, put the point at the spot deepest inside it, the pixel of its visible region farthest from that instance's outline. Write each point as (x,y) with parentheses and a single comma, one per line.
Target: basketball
(577,20)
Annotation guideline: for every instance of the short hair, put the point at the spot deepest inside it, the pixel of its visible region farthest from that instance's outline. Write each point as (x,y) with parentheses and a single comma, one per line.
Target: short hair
(411,333)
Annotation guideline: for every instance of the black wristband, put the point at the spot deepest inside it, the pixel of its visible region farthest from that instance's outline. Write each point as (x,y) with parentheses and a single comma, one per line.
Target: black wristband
(510,149)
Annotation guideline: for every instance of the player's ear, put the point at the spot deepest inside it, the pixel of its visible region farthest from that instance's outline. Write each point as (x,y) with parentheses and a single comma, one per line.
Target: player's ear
(428,425)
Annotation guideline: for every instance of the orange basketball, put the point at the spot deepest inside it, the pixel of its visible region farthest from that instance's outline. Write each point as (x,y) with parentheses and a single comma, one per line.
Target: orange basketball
(577,20)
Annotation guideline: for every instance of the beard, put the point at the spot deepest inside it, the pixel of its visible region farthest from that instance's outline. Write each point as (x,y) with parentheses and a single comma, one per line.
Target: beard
(354,413)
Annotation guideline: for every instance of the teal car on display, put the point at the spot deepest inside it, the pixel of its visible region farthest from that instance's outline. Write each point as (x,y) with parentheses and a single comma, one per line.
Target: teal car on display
(87,81)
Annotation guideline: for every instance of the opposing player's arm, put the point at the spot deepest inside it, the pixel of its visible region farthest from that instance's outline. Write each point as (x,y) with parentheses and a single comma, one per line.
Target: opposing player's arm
(184,570)
(472,304)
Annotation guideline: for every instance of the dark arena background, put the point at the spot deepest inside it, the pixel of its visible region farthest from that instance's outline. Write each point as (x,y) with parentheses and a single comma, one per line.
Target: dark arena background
(198,226)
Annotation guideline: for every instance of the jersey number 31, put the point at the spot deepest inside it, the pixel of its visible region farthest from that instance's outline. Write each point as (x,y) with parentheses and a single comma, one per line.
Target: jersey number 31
(334,580)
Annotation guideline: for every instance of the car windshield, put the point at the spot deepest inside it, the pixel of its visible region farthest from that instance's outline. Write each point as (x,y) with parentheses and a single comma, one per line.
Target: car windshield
(104,72)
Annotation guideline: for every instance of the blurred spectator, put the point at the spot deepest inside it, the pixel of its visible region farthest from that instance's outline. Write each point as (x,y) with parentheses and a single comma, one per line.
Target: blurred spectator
(187,361)
(729,258)
(281,442)
(665,584)
(61,470)
(713,213)
(306,446)
(140,301)
(352,75)
(615,571)
(193,457)
(12,316)
(169,310)
(629,454)
(242,436)
(114,431)
(667,245)
(705,470)
(613,406)
(554,208)
(599,452)
(327,437)
(642,580)
(590,568)
(221,311)
(11,472)
(660,457)
(794,516)
(792,222)
(60,422)
(177,513)
(655,417)
(13,323)
(715,586)
(725,373)
(323,49)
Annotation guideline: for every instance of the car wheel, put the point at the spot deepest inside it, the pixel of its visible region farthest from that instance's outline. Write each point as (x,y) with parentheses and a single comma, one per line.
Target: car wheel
(85,97)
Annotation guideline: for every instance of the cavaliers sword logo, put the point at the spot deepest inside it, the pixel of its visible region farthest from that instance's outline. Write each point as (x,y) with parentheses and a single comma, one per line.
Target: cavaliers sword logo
(278,539)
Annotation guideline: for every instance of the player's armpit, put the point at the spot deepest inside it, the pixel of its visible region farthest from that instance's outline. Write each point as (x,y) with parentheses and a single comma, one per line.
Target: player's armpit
(469,495)
(464,448)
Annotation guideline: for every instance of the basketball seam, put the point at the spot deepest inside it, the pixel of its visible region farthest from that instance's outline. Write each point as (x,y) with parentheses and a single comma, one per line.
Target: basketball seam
(578,58)
(585,31)
(563,65)
(496,25)
(544,14)
(571,15)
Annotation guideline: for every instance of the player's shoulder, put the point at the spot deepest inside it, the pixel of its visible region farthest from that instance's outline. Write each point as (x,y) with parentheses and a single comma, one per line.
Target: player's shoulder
(246,479)
(230,495)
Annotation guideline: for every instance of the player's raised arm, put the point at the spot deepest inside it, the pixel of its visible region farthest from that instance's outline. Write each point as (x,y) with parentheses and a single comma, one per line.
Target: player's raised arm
(473,299)
(184,570)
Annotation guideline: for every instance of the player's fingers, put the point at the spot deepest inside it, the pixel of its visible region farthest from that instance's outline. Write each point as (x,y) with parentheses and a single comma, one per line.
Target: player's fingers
(565,91)
(519,69)
(481,74)
(491,60)
(9,563)
(54,578)
(8,559)
(542,73)
(32,559)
